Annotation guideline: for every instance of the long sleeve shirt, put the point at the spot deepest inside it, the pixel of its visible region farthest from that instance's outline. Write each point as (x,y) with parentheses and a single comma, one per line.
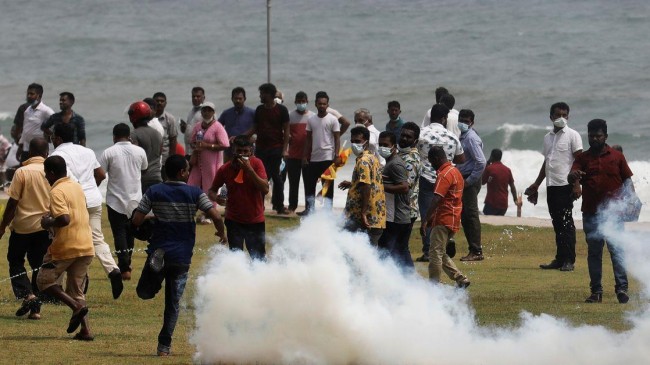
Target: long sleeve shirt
(472,168)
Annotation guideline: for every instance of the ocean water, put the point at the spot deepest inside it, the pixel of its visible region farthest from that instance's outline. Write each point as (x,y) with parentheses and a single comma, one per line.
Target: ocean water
(508,61)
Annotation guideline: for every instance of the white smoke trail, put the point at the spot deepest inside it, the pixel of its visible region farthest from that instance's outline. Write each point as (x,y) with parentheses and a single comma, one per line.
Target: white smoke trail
(324,297)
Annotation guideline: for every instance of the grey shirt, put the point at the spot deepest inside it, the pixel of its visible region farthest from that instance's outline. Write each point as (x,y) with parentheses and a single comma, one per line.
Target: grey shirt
(398,208)
(151,141)
(168,123)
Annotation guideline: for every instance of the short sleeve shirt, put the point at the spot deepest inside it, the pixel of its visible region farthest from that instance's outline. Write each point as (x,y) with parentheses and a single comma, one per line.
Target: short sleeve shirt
(32,191)
(398,209)
(322,136)
(75,239)
(150,141)
(269,123)
(76,121)
(367,171)
(237,122)
(245,202)
(411,159)
(298,132)
(558,155)
(81,164)
(32,121)
(436,135)
(168,122)
(449,186)
(124,163)
(497,177)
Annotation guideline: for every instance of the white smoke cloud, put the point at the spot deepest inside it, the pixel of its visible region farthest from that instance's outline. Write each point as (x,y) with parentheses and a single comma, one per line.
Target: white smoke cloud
(324,297)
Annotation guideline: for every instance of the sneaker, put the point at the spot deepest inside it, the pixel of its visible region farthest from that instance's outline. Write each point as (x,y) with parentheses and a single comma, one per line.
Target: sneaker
(423,258)
(472,257)
(622,296)
(567,267)
(551,266)
(450,249)
(595,298)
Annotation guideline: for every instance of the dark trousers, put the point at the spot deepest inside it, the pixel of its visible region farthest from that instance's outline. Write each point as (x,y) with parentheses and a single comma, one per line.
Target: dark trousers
(560,205)
(310,179)
(293,171)
(469,218)
(122,238)
(272,159)
(373,233)
(490,210)
(254,234)
(175,277)
(32,245)
(394,241)
(595,243)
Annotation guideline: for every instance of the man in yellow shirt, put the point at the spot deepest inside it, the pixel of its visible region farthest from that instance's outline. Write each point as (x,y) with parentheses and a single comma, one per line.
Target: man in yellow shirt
(72,248)
(29,200)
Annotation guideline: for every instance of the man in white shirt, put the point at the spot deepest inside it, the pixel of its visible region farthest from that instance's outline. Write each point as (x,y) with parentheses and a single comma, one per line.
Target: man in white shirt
(561,146)
(363,117)
(154,122)
(198,97)
(444,97)
(35,114)
(83,166)
(321,149)
(124,163)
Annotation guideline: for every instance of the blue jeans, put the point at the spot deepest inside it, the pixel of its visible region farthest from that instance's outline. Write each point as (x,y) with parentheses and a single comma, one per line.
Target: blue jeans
(595,243)
(425,197)
(175,276)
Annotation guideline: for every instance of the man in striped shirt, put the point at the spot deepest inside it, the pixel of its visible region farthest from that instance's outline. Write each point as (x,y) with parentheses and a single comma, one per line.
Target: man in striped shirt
(443,217)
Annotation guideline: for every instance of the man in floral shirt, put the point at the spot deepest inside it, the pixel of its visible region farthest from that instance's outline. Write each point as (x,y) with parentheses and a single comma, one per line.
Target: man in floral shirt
(366,204)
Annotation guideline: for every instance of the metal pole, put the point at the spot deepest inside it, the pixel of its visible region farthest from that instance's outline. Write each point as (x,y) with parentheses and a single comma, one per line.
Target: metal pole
(268,40)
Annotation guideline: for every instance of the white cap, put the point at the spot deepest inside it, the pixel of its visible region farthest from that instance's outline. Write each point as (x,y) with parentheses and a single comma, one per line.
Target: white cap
(208,104)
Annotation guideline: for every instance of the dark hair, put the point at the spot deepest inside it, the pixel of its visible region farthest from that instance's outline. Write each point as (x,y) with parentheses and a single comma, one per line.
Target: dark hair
(394,103)
(448,100)
(301,95)
(360,130)
(496,154)
(160,94)
(174,164)
(596,125)
(322,94)
(390,135)
(466,113)
(150,102)
(38,147)
(197,89)
(121,130)
(236,91)
(438,111)
(561,105)
(440,92)
(268,89)
(68,95)
(65,131)
(436,152)
(56,165)
(412,127)
(242,141)
(36,87)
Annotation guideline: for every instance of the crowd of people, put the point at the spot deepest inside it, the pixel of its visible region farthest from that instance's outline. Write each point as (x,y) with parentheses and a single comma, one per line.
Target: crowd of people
(433,171)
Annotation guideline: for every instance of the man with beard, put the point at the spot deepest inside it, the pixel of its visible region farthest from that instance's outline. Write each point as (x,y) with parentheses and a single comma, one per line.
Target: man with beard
(68,116)
(34,116)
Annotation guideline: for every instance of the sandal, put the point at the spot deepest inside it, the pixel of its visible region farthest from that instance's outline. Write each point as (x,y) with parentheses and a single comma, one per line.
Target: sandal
(80,337)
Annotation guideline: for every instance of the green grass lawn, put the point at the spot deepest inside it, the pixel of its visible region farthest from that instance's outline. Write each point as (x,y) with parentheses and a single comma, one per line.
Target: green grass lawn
(507,282)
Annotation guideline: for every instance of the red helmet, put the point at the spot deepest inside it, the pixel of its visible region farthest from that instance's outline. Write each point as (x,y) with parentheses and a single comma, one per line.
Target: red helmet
(138,111)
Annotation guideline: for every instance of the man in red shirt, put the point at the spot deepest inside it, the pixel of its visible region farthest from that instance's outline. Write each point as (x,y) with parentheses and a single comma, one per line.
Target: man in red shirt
(605,177)
(498,177)
(245,179)
(443,217)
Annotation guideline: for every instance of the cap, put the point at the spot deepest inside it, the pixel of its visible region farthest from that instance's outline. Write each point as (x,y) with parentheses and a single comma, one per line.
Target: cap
(208,104)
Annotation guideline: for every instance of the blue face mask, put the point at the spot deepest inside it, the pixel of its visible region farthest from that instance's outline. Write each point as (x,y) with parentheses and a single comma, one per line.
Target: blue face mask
(357,148)
(463,127)
(301,107)
(385,152)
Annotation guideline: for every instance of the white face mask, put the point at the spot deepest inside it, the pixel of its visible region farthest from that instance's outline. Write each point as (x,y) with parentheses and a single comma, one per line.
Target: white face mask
(560,122)
(463,127)
(278,101)
(385,152)
(357,148)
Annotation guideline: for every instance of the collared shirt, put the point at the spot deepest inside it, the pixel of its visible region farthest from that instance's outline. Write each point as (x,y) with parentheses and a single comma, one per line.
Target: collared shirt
(472,168)
(367,171)
(245,202)
(76,121)
(558,154)
(32,191)
(604,176)
(237,122)
(81,164)
(411,159)
(298,132)
(32,122)
(452,121)
(398,209)
(192,117)
(322,137)
(168,123)
(449,186)
(269,123)
(436,135)
(397,128)
(497,177)
(124,163)
(373,143)
(150,141)
(155,124)
(75,239)
(174,204)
